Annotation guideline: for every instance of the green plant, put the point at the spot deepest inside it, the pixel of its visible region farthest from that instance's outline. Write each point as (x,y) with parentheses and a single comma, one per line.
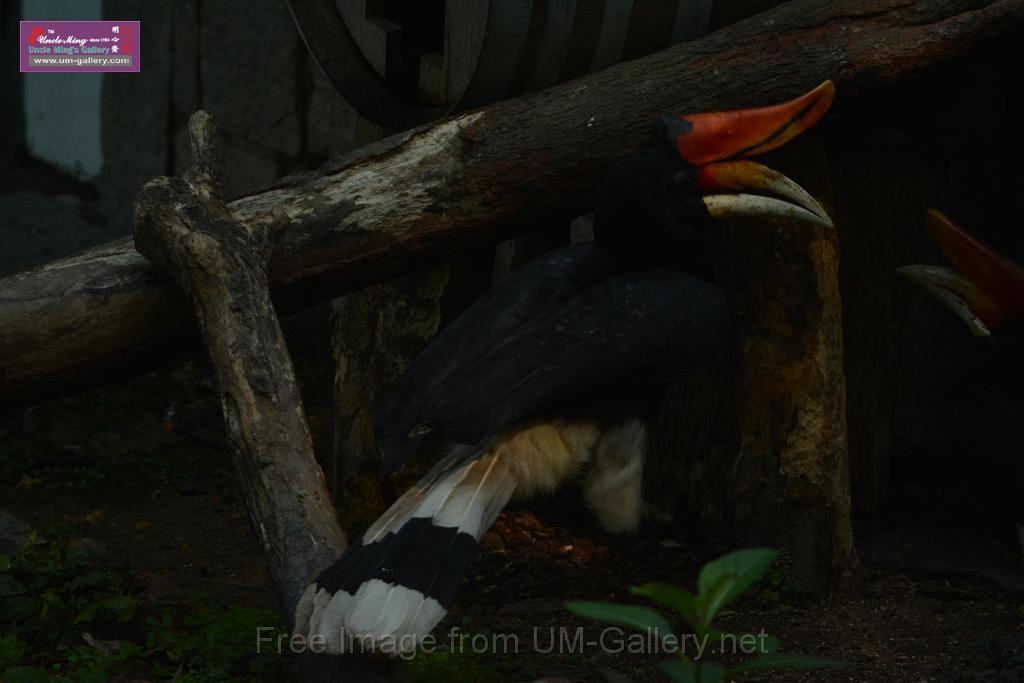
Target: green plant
(441,666)
(54,590)
(52,598)
(64,618)
(719,583)
(215,643)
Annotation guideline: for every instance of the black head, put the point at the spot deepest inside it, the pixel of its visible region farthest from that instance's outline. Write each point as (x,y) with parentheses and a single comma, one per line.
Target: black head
(652,205)
(649,210)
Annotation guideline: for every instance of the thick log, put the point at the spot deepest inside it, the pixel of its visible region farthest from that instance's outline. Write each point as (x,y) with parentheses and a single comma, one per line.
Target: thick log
(418,197)
(187,232)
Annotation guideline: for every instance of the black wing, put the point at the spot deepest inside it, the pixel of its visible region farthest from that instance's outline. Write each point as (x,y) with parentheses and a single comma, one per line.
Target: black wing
(633,329)
(545,282)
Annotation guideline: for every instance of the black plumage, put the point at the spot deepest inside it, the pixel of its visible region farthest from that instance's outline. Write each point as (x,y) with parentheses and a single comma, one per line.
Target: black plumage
(615,313)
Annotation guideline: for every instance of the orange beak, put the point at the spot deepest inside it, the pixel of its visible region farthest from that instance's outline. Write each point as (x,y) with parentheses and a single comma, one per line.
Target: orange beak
(718,144)
(985,289)
(728,135)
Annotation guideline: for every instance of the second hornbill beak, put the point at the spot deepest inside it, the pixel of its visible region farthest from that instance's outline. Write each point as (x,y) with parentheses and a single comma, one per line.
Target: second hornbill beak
(718,145)
(984,290)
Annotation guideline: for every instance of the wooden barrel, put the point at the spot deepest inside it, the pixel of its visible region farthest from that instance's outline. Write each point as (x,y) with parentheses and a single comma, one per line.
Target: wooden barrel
(440,56)
(529,45)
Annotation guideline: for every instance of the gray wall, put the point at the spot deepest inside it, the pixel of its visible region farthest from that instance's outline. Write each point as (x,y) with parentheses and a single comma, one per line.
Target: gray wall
(62,110)
(12,116)
(242,61)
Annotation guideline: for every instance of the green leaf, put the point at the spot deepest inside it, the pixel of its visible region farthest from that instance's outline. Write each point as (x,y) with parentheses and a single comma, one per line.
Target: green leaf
(784,661)
(714,598)
(122,605)
(10,586)
(633,616)
(723,580)
(673,597)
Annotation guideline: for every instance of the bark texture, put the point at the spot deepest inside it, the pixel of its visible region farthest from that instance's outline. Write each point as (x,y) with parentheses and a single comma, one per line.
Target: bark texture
(421,196)
(376,334)
(186,231)
(758,451)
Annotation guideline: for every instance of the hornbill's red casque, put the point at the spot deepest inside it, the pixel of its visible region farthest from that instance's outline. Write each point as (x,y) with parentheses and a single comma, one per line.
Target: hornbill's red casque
(551,369)
(986,291)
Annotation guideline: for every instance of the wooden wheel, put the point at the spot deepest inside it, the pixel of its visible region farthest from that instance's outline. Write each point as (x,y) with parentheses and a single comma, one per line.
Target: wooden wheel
(402,63)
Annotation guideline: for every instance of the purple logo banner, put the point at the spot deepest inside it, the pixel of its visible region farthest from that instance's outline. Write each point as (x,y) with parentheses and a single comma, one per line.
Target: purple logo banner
(80,46)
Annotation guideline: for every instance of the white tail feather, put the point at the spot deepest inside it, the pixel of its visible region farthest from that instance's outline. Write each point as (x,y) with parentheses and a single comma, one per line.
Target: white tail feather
(466,491)
(453,503)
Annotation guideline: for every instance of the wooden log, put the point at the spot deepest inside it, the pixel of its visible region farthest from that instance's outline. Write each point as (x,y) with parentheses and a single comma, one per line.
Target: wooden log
(186,231)
(421,196)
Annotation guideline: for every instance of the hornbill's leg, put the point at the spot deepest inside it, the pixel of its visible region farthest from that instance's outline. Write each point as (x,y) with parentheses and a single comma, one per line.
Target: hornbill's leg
(612,486)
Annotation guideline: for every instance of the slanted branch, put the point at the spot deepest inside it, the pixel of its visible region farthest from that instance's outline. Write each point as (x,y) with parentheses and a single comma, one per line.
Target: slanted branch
(184,228)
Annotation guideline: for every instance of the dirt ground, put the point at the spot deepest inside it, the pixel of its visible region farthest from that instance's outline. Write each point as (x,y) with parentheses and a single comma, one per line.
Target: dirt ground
(143,469)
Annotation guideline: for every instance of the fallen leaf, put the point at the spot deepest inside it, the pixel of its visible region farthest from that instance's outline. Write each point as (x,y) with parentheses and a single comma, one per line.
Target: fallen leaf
(27,483)
(96,517)
(107,647)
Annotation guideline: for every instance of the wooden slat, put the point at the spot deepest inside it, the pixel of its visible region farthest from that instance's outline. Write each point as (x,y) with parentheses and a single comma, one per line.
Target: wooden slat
(508,23)
(534,36)
(465,32)
(377,37)
(613,33)
(586,30)
(692,20)
(554,45)
(650,28)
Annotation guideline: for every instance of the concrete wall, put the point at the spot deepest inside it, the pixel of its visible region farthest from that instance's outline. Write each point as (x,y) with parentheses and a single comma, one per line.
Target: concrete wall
(62,110)
(242,61)
(12,116)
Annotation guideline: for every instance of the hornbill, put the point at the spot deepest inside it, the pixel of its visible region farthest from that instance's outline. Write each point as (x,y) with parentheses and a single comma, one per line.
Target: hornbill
(984,288)
(986,291)
(554,369)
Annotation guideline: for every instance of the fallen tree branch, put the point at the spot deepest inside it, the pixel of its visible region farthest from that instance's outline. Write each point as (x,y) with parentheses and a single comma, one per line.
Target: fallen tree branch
(186,231)
(418,197)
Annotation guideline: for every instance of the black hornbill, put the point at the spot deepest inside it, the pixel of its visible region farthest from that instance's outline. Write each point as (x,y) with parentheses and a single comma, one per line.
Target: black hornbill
(986,410)
(549,371)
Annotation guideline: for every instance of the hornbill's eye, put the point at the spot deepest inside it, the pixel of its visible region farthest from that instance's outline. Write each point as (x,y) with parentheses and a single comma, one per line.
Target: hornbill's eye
(683,180)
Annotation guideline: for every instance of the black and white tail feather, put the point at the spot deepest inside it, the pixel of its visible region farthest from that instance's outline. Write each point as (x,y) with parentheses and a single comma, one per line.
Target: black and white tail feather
(396,583)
